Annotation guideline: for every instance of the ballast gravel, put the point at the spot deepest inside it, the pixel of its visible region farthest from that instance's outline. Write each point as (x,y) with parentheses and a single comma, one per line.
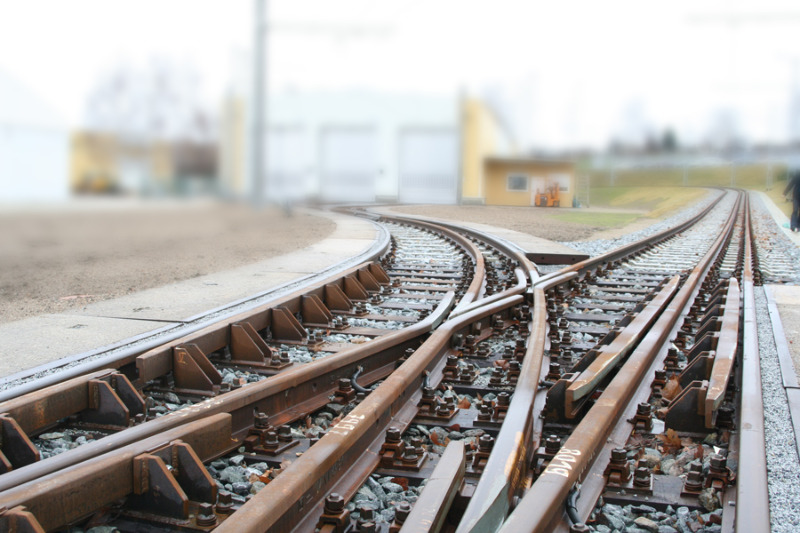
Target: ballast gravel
(601,246)
(783,464)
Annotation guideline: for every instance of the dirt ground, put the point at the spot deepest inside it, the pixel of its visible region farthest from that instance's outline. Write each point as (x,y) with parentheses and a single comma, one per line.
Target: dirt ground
(56,259)
(536,222)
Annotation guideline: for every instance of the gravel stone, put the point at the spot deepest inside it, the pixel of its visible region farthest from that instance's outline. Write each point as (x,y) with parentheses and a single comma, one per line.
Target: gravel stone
(782,460)
(646,523)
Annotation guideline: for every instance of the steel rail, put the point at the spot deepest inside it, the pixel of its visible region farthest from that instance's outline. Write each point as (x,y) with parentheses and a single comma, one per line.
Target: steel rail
(73,493)
(430,510)
(541,508)
(44,407)
(283,395)
(330,465)
(752,497)
(127,349)
(526,273)
(507,466)
(473,291)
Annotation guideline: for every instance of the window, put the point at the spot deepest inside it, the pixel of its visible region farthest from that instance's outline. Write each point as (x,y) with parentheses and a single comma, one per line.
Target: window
(562,180)
(517,182)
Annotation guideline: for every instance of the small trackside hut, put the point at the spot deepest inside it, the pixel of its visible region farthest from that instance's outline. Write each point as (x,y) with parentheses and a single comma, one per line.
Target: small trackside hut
(529,182)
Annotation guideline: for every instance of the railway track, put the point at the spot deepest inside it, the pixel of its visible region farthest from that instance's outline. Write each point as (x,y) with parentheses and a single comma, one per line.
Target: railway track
(444,385)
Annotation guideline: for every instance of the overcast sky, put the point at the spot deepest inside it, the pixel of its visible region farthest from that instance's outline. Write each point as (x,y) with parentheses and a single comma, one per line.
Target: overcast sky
(563,73)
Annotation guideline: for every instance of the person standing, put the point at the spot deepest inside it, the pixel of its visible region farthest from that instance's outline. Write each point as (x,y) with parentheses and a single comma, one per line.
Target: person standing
(794,186)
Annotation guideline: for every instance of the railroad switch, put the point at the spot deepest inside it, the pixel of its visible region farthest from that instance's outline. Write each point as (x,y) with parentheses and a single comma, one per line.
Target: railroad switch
(334,514)
(618,471)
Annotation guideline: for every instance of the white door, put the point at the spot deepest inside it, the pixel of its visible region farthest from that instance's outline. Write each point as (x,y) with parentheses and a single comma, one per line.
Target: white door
(428,166)
(348,165)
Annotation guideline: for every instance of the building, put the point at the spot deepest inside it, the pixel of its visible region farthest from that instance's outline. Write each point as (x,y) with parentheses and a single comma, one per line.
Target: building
(368,147)
(528,182)
(34,147)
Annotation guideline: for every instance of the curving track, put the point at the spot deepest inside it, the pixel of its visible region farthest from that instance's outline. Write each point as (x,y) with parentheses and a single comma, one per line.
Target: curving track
(444,385)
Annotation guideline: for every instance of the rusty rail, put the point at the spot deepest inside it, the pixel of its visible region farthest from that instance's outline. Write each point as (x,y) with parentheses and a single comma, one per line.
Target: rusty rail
(284,396)
(430,511)
(71,494)
(507,467)
(752,502)
(295,498)
(542,507)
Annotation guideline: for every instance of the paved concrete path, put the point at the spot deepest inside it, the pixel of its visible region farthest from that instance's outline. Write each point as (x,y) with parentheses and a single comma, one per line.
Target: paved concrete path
(31,342)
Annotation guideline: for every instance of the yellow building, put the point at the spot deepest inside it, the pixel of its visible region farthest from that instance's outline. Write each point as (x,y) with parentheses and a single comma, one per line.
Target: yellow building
(93,162)
(482,135)
(528,182)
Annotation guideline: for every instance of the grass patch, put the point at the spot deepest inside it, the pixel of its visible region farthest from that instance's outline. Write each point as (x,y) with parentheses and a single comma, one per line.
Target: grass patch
(776,196)
(745,176)
(652,201)
(602,220)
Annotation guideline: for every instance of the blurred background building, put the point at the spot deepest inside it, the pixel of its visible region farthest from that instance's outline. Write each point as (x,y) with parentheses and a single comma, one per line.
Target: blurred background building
(387,101)
(34,146)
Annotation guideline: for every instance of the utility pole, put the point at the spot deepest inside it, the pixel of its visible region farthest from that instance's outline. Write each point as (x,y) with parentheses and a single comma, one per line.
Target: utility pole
(258,144)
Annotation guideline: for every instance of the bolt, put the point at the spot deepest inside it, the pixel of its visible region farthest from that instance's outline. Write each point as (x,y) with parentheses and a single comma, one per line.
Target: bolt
(503,398)
(205,515)
(401,512)
(224,502)
(643,409)
(694,481)
(718,462)
(271,440)
(485,443)
(552,445)
(619,456)
(285,433)
(344,385)
(334,503)
(642,477)
(262,421)
(393,435)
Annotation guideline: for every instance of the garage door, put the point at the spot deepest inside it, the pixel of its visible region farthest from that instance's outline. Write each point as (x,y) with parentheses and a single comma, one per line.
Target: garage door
(429,166)
(348,164)
(286,163)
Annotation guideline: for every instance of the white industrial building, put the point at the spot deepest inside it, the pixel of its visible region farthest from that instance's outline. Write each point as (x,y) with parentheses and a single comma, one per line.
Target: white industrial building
(34,147)
(356,147)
